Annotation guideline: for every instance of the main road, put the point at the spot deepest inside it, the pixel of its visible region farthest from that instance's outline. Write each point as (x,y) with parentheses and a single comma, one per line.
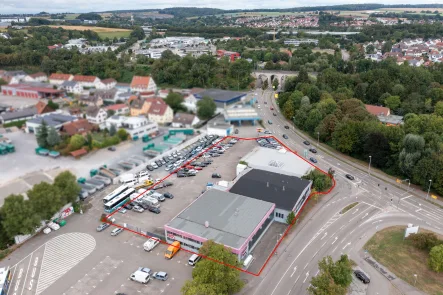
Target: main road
(326,231)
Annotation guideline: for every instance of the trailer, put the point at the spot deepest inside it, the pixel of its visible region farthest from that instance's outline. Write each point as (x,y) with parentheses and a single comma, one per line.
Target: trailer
(83,194)
(41,151)
(105,180)
(174,131)
(151,153)
(116,171)
(90,189)
(3,150)
(126,165)
(139,158)
(138,161)
(98,184)
(106,173)
(54,154)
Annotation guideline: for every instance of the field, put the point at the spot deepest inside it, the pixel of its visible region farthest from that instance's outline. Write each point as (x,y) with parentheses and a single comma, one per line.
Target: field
(389,248)
(71,16)
(102,32)
(258,13)
(414,10)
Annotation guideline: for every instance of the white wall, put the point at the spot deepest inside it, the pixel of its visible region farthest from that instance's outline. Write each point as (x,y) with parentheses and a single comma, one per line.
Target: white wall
(280,211)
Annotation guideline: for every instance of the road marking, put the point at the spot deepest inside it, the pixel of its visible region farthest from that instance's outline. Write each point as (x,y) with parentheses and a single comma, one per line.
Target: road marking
(377,221)
(295,268)
(27,270)
(336,238)
(406,197)
(324,236)
(307,275)
(306,265)
(372,205)
(346,245)
(356,210)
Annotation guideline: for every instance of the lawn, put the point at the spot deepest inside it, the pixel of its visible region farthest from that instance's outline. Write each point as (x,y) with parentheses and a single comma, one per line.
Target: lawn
(71,16)
(98,136)
(111,35)
(389,248)
(103,32)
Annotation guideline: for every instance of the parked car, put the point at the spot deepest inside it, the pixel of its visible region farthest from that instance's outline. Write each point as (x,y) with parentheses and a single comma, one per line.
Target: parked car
(285,136)
(138,209)
(236,131)
(160,275)
(350,177)
(286,127)
(274,114)
(362,276)
(103,226)
(168,195)
(116,231)
(313,160)
(154,209)
(272,108)
(269,122)
(122,211)
(215,155)
(306,142)
(128,206)
(149,167)
(112,148)
(216,175)
(268,132)
(312,150)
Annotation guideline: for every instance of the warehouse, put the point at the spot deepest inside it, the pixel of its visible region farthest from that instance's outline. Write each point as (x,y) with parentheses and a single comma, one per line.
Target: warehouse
(29,91)
(288,193)
(236,221)
(241,113)
(222,98)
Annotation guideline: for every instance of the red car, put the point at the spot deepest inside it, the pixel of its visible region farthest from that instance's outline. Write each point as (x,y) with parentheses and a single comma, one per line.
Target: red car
(195,168)
(272,108)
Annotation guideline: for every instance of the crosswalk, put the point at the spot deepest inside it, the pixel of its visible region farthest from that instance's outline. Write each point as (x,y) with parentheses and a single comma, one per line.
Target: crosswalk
(61,254)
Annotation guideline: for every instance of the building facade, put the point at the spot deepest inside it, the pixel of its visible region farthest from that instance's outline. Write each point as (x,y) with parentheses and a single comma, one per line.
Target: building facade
(135,126)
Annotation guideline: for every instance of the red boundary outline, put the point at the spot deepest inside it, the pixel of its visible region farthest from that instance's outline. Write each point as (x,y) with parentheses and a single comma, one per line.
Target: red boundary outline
(283,235)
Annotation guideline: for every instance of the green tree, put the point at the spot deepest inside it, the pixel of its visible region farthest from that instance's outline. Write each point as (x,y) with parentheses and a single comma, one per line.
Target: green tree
(393,102)
(423,241)
(76,142)
(210,277)
(89,140)
(275,83)
(45,200)
(265,85)
(438,109)
(175,100)
(42,135)
(289,109)
(53,138)
(290,218)
(53,105)
(320,181)
(110,113)
(112,130)
(18,216)
(3,82)
(413,147)
(206,108)
(436,258)
(334,277)
(122,134)
(67,185)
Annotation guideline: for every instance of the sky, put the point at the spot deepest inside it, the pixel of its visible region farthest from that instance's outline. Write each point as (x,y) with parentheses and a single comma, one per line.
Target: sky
(53,6)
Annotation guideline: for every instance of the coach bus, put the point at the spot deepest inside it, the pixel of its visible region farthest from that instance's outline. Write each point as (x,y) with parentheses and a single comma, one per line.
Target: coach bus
(119,200)
(5,280)
(115,193)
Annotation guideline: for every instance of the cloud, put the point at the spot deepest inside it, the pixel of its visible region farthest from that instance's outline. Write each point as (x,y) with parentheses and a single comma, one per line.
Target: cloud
(35,6)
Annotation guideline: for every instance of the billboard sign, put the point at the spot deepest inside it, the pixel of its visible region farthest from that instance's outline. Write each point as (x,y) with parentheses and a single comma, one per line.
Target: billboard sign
(411,230)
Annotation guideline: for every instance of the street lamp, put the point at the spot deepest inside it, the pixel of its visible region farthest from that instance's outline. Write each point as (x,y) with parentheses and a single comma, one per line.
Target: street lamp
(318,139)
(415,279)
(429,188)
(369,169)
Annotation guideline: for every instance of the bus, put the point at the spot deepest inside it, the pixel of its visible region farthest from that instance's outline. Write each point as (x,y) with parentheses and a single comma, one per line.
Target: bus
(119,200)
(5,280)
(115,193)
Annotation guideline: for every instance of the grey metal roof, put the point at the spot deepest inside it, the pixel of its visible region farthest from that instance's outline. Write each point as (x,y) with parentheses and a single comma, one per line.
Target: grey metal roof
(282,190)
(231,217)
(25,113)
(241,112)
(278,161)
(218,95)
(53,119)
(68,84)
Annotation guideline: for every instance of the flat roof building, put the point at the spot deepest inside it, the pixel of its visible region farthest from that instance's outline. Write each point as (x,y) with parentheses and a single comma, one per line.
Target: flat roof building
(226,218)
(54,119)
(222,98)
(241,113)
(218,126)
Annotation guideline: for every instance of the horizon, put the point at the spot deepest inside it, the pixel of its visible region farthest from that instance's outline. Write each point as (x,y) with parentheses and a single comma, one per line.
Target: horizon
(84,6)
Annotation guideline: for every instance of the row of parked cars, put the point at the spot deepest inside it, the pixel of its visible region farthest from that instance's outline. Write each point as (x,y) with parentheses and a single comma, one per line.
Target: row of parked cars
(177,158)
(268,142)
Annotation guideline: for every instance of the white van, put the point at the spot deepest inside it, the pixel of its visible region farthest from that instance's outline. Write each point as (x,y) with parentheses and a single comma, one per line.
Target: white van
(140,276)
(150,244)
(128,179)
(158,196)
(142,174)
(53,226)
(194,259)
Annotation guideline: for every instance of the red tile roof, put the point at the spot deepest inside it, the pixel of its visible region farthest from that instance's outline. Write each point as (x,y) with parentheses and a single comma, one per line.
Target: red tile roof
(140,81)
(39,74)
(81,78)
(376,110)
(79,153)
(158,106)
(109,81)
(81,126)
(116,107)
(42,108)
(64,77)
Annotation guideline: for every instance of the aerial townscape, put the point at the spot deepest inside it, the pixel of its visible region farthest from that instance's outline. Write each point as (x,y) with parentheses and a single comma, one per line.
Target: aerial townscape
(243,148)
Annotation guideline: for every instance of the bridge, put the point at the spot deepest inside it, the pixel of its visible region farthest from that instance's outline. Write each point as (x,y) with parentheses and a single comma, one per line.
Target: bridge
(262,76)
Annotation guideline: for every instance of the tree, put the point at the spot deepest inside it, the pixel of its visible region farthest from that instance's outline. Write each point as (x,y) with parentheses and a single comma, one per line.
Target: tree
(175,100)
(53,105)
(89,140)
(438,109)
(424,241)
(413,147)
(275,83)
(206,108)
(436,258)
(290,218)
(265,85)
(138,33)
(370,49)
(45,200)
(393,102)
(110,113)
(19,218)
(320,181)
(68,187)
(42,135)
(53,137)
(289,109)
(122,134)
(210,277)
(112,130)
(3,82)
(76,142)
(334,277)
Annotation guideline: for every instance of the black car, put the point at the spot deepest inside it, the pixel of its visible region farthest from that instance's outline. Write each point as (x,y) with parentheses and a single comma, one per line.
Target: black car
(144,206)
(306,142)
(168,195)
(215,155)
(286,127)
(285,136)
(182,174)
(150,168)
(207,162)
(128,206)
(362,276)
(191,173)
(154,209)
(274,114)
(236,131)
(112,148)
(216,175)
(312,150)
(159,163)
(349,176)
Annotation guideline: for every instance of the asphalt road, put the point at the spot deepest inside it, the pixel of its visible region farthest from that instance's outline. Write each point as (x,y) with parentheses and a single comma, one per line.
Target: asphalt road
(327,232)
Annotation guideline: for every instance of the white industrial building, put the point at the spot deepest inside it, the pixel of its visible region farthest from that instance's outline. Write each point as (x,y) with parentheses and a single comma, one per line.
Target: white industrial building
(135,126)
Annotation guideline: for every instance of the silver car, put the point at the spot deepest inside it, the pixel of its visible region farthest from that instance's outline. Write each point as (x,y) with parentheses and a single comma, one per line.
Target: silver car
(116,231)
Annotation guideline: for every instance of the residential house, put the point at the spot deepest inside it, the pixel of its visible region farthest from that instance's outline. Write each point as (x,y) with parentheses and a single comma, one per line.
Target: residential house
(377,110)
(86,81)
(143,84)
(71,87)
(118,109)
(58,79)
(55,46)
(135,126)
(93,99)
(81,126)
(37,77)
(139,107)
(43,108)
(122,97)
(163,93)
(160,111)
(96,115)
(184,120)
(12,77)
(76,111)
(123,87)
(106,84)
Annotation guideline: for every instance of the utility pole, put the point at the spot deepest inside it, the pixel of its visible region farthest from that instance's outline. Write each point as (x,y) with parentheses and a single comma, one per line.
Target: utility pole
(369,169)
(429,188)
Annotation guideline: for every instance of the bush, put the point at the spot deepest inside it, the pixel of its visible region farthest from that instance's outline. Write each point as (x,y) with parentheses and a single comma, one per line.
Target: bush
(436,258)
(18,124)
(320,181)
(424,241)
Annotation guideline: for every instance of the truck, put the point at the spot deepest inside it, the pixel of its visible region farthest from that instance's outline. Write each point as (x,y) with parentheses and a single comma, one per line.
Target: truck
(99,184)
(90,189)
(103,171)
(105,180)
(147,201)
(126,165)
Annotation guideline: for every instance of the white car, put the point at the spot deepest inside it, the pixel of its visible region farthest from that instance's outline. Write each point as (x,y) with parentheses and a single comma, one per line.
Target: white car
(138,209)
(154,165)
(122,210)
(150,244)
